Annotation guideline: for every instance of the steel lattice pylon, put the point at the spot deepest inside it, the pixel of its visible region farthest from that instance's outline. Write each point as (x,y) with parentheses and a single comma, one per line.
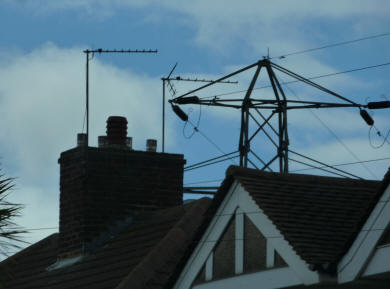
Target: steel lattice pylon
(278,106)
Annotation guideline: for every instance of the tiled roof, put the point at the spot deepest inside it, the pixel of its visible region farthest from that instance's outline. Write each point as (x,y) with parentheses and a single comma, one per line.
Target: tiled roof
(319,216)
(142,256)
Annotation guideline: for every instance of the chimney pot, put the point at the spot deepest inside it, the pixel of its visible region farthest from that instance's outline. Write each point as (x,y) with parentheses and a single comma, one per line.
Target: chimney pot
(129,142)
(151,145)
(116,130)
(102,141)
(81,139)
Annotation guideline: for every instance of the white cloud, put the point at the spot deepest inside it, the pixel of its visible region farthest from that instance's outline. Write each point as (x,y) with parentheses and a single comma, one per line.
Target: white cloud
(42,100)
(281,25)
(42,92)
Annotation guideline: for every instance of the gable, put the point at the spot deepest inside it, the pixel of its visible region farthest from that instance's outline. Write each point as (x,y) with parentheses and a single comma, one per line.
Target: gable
(319,216)
(367,255)
(241,245)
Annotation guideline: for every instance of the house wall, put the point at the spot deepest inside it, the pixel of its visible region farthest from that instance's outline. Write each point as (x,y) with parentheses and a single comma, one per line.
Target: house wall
(224,257)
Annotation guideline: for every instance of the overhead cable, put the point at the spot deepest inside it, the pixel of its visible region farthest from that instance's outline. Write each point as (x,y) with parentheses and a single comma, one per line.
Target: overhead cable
(344,164)
(310,78)
(385,138)
(332,45)
(335,136)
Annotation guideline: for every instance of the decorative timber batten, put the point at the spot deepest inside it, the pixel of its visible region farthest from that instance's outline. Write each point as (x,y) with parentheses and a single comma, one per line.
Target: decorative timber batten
(104,185)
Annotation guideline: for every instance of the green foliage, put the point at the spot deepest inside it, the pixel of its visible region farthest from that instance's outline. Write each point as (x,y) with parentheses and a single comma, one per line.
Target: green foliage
(10,233)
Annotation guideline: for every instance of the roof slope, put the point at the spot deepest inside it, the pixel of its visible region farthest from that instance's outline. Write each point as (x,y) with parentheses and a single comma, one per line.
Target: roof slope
(132,259)
(319,216)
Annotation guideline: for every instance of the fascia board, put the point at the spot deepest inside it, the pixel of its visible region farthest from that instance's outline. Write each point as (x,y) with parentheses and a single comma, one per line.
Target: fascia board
(379,263)
(354,261)
(209,239)
(268,279)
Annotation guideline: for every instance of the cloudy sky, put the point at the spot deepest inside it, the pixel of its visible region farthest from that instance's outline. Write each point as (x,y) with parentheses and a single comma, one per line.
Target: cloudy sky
(42,82)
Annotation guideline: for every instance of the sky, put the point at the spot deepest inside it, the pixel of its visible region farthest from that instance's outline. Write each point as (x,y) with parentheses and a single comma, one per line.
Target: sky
(42,83)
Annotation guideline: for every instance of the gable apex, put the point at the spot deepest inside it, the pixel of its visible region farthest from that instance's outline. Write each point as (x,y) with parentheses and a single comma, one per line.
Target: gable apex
(319,216)
(277,255)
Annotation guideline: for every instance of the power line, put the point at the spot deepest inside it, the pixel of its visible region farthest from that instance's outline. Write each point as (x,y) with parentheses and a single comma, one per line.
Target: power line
(385,138)
(344,164)
(40,229)
(206,137)
(311,78)
(209,160)
(335,136)
(333,45)
(305,169)
(203,182)
(197,124)
(211,163)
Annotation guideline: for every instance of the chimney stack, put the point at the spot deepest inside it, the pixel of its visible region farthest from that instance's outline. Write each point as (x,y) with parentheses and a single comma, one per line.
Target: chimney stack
(100,186)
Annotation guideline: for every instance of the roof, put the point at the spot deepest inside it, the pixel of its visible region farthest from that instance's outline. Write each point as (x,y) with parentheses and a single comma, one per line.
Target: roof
(319,216)
(142,256)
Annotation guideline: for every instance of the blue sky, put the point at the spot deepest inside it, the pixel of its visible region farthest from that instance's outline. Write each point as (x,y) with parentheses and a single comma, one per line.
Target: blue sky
(42,70)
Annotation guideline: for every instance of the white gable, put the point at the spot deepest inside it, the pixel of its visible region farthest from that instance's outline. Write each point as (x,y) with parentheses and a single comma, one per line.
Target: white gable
(362,258)
(234,207)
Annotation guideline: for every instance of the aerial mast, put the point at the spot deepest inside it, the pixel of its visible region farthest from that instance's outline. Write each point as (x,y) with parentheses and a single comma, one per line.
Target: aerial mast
(89,55)
(168,81)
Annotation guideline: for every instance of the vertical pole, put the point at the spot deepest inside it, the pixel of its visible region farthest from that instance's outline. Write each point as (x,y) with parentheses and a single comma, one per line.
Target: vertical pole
(246,135)
(280,148)
(163,117)
(241,143)
(285,139)
(87,94)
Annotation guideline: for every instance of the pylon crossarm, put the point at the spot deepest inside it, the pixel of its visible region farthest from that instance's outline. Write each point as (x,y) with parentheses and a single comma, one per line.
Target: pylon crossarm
(270,103)
(316,106)
(220,79)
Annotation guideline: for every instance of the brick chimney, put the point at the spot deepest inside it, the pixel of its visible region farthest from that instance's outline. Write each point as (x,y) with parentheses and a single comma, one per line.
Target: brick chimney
(100,186)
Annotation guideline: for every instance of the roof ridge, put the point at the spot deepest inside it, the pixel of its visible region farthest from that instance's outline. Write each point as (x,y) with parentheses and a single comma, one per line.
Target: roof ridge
(237,171)
(161,255)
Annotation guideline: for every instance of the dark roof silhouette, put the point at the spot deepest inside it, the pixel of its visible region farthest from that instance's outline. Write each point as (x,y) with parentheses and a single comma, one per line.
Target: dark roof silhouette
(319,216)
(145,253)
